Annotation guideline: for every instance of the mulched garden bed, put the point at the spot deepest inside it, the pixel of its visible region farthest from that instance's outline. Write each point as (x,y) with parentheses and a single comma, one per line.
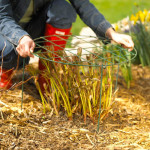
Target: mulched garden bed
(126,127)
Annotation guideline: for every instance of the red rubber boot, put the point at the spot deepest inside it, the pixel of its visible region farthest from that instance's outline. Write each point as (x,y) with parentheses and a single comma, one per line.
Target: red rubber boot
(5,79)
(57,38)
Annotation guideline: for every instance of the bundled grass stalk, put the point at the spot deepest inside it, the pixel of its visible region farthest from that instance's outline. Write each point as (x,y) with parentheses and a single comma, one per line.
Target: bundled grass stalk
(76,88)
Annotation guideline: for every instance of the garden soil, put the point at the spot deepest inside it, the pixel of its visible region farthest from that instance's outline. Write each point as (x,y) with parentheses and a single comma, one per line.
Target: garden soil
(126,127)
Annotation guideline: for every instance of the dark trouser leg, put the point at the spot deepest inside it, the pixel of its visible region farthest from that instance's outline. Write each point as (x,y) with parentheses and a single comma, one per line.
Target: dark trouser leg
(61,14)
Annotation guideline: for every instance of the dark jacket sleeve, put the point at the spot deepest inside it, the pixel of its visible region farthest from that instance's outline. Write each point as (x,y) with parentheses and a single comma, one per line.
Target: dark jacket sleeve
(8,26)
(91,16)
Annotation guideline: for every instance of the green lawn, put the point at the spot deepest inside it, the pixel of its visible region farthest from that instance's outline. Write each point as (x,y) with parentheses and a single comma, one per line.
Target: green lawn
(114,10)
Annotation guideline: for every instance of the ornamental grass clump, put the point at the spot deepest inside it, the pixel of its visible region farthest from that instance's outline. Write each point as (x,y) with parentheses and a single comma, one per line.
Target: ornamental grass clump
(81,78)
(76,88)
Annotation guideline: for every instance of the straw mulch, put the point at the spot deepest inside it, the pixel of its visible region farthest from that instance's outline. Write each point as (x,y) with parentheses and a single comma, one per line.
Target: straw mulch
(126,127)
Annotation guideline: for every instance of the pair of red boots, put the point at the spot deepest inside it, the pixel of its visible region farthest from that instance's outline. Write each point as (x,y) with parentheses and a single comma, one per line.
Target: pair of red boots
(58,38)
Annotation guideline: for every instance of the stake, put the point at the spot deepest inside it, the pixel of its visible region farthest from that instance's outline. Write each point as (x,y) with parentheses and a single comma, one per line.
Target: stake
(117,78)
(117,73)
(22,83)
(100,98)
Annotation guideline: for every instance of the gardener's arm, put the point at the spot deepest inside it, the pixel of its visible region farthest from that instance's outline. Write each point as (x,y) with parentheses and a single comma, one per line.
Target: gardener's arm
(97,22)
(12,31)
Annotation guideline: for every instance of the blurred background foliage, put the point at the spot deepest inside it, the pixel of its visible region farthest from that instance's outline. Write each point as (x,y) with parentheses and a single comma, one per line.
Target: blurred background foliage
(114,10)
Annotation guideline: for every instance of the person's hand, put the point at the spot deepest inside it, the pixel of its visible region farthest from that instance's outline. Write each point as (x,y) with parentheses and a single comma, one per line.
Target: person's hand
(26,47)
(124,40)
